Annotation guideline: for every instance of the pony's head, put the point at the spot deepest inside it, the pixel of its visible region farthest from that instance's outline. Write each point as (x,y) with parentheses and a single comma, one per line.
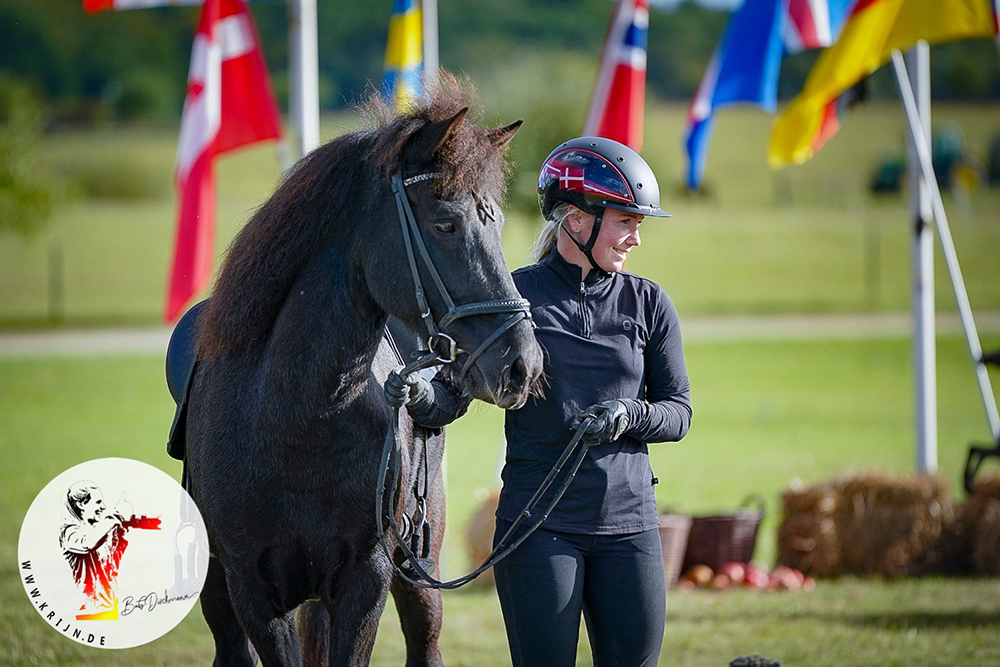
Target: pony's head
(455,175)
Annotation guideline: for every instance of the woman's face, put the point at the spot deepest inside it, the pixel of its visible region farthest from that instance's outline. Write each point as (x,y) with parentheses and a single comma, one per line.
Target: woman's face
(619,234)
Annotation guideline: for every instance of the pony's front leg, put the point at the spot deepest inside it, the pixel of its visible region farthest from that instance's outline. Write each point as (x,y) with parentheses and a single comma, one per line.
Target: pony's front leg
(420,610)
(355,609)
(272,631)
(420,615)
(232,647)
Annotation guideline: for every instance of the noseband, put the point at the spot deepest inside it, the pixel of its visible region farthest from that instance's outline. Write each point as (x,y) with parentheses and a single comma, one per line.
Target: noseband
(442,348)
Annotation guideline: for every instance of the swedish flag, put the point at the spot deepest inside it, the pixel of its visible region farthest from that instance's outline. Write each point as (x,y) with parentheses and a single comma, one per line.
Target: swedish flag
(404,54)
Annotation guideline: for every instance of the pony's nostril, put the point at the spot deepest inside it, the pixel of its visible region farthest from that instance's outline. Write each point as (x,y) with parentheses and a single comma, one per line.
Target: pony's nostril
(518,374)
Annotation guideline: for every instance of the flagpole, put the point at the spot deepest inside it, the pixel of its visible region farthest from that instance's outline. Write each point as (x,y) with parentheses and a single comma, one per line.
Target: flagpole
(923,151)
(303,99)
(924,352)
(428,10)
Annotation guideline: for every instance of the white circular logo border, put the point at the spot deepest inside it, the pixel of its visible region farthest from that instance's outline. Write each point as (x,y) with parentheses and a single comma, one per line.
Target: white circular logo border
(113,553)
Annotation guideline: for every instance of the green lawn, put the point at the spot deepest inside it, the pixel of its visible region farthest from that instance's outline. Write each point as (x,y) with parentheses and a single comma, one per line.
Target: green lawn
(765,413)
(805,239)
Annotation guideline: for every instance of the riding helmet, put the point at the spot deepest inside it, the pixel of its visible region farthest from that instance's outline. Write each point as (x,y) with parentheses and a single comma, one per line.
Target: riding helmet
(594,173)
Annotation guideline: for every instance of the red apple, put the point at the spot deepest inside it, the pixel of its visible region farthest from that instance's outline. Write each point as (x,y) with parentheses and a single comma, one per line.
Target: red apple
(756,577)
(701,575)
(735,571)
(721,582)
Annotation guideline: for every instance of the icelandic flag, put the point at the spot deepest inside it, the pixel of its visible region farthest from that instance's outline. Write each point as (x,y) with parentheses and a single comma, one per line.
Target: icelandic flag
(404,57)
(617,104)
(746,65)
(229,104)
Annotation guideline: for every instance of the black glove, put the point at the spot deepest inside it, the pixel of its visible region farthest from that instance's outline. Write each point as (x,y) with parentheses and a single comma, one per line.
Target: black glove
(610,421)
(413,391)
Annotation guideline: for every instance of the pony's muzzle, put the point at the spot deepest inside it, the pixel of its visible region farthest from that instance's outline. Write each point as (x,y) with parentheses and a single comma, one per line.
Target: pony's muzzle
(521,368)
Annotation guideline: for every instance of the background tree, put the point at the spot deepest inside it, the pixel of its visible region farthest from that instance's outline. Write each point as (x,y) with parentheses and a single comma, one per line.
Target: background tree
(26,198)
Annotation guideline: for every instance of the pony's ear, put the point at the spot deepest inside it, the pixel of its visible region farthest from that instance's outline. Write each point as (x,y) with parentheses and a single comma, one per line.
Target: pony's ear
(501,136)
(436,135)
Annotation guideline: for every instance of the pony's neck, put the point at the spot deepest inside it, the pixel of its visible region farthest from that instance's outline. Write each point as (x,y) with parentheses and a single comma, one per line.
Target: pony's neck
(328,332)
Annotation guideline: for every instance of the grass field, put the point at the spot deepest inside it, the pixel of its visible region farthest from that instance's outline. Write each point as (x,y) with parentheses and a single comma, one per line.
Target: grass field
(801,241)
(766,413)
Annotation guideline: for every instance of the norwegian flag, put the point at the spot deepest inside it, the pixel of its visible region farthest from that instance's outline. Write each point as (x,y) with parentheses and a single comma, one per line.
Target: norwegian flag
(807,25)
(229,104)
(618,102)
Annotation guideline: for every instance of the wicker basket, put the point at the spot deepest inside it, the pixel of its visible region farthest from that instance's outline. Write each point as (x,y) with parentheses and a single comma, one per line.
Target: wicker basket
(717,540)
(674,529)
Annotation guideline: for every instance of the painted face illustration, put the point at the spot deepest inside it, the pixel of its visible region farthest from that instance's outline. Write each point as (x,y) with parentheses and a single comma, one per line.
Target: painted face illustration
(92,508)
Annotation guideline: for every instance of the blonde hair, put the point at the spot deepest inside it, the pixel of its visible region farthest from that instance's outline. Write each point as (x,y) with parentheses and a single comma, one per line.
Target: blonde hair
(547,238)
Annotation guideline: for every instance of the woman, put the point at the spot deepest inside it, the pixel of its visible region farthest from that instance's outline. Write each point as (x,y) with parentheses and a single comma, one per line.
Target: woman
(613,353)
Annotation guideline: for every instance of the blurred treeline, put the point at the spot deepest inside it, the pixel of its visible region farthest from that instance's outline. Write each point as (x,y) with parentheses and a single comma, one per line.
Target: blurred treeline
(132,65)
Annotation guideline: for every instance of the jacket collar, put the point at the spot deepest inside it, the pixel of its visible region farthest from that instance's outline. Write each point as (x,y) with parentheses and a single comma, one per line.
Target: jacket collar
(570,273)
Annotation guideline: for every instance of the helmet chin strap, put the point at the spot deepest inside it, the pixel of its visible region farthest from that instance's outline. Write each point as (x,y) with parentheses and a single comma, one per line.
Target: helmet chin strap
(587,249)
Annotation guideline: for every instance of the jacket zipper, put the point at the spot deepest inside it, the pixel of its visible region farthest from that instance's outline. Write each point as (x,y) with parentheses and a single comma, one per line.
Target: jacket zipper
(584,320)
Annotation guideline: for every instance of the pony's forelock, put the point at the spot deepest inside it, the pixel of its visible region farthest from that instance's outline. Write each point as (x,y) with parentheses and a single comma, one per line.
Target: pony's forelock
(470,160)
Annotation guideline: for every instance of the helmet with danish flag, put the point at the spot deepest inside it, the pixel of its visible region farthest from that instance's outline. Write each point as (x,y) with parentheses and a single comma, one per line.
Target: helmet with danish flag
(594,173)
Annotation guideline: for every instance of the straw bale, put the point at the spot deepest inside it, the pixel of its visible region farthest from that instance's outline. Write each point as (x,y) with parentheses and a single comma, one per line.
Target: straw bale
(868,524)
(985,539)
(479,535)
(807,537)
(979,518)
(890,526)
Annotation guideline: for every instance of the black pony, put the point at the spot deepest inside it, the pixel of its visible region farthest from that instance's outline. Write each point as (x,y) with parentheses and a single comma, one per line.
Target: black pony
(285,414)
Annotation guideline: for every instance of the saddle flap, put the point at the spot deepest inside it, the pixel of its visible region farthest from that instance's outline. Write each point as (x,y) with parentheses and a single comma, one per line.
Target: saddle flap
(182,358)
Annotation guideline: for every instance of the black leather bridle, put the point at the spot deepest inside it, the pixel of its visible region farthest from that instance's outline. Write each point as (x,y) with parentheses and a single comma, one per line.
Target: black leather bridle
(520,309)
(435,354)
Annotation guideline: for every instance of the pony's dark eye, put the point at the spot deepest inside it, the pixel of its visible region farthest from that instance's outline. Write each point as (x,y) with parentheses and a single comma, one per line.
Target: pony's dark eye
(445,227)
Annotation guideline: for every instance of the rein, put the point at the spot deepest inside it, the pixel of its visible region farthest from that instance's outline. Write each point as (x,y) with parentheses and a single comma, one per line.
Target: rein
(432,356)
(420,566)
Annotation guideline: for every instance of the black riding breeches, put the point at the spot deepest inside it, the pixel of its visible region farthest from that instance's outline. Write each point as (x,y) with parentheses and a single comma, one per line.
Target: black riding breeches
(615,581)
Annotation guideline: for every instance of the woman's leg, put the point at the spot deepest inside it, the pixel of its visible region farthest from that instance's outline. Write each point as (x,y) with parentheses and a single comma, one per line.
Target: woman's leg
(625,599)
(540,585)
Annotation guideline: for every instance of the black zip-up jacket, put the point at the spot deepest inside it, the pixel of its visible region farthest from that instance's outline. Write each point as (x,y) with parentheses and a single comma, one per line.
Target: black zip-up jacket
(611,336)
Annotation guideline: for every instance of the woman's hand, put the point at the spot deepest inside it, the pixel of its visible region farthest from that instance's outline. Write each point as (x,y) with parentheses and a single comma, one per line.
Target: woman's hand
(413,391)
(610,420)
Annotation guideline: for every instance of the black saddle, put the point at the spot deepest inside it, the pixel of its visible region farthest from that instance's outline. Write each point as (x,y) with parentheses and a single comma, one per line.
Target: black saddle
(182,359)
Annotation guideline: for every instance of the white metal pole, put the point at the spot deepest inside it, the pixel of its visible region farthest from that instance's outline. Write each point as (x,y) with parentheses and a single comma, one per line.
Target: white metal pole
(304,85)
(428,9)
(948,249)
(924,353)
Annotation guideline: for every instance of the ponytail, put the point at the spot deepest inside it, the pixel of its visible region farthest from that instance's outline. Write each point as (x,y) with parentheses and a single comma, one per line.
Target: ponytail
(546,241)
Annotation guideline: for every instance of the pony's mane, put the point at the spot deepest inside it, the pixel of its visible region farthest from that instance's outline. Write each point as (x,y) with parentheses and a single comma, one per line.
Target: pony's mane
(270,252)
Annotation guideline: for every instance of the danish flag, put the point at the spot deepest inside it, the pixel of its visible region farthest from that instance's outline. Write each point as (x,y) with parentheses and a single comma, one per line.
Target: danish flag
(618,102)
(229,104)
(571,177)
